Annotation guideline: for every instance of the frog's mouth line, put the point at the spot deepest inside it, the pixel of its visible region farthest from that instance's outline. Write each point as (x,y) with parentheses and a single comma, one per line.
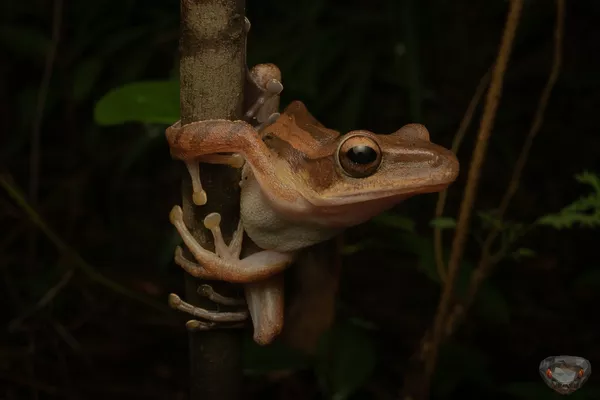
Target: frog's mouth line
(378,195)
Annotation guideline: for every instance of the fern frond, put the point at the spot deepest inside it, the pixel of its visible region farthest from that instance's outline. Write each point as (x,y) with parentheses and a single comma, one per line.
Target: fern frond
(585,211)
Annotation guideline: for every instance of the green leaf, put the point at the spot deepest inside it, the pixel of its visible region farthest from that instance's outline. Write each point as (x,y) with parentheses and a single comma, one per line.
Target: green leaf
(590,179)
(85,76)
(395,221)
(585,211)
(273,357)
(154,102)
(345,360)
(443,223)
(492,305)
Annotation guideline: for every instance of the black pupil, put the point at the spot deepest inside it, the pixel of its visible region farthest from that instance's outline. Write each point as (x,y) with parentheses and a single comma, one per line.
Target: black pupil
(362,154)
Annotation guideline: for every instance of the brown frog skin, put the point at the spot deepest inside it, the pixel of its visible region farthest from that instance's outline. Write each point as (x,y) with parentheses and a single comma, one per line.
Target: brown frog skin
(301,185)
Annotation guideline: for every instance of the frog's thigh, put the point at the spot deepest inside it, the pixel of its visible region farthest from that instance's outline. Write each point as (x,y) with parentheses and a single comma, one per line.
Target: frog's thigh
(265,303)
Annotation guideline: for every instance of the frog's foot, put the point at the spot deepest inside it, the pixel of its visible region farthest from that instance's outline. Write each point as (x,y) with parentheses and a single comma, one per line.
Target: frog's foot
(212,316)
(271,89)
(272,118)
(208,292)
(193,325)
(225,264)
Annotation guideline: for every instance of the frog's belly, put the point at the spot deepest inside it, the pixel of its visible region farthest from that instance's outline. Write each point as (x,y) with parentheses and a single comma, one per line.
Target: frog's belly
(271,231)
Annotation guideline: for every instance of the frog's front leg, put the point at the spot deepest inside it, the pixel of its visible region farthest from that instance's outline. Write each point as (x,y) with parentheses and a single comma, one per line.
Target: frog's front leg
(256,267)
(265,85)
(193,166)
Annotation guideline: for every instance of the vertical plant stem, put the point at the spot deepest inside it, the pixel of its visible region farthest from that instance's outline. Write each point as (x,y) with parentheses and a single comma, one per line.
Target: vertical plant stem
(456,142)
(487,121)
(212,73)
(486,262)
(418,378)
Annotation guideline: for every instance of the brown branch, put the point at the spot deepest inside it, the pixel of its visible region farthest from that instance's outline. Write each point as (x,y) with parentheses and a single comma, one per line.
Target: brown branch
(487,121)
(212,73)
(456,142)
(487,261)
(430,348)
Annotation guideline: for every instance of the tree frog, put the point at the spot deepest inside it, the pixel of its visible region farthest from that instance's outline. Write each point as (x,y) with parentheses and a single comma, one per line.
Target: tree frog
(301,184)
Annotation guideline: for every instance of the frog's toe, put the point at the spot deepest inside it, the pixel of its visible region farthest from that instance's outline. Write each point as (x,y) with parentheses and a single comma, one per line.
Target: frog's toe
(274,87)
(176,214)
(212,220)
(199,198)
(208,292)
(194,325)
(177,303)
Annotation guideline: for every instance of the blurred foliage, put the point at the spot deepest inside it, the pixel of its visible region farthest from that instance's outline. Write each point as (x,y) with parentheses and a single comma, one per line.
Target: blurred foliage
(584,212)
(108,183)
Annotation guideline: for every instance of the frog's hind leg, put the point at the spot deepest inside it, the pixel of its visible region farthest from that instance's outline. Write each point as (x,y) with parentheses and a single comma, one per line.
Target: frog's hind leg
(208,292)
(259,272)
(272,118)
(195,325)
(265,303)
(273,87)
(215,316)
(212,221)
(264,298)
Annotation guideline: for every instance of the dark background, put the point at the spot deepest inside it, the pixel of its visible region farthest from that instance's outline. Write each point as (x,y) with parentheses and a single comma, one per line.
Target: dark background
(106,192)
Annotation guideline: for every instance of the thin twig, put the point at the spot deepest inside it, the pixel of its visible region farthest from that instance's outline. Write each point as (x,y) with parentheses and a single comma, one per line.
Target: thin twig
(70,253)
(487,261)
(487,122)
(456,142)
(45,300)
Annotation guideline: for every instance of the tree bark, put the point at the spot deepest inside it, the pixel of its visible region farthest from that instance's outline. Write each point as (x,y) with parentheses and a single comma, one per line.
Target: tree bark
(212,75)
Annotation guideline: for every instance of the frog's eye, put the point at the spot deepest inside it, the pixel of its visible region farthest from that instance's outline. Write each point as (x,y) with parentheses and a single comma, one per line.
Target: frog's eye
(359,156)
